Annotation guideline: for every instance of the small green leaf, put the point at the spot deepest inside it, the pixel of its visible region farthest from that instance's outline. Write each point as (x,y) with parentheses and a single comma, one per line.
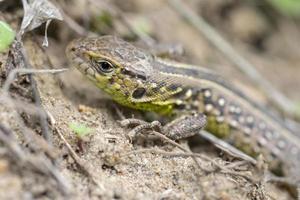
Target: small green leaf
(7,35)
(80,129)
(287,7)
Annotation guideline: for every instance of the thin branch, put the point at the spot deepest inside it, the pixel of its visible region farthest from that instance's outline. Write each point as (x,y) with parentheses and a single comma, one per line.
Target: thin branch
(35,142)
(165,138)
(86,169)
(139,123)
(119,14)
(224,146)
(24,64)
(76,27)
(8,140)
(38,162)
(24,71)
(148,40)
(223,169)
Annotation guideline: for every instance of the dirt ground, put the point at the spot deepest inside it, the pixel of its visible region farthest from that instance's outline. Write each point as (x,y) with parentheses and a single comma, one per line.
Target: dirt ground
(109,164)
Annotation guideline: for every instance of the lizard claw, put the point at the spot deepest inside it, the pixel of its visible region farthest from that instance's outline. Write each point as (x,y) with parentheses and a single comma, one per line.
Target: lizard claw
(140,125)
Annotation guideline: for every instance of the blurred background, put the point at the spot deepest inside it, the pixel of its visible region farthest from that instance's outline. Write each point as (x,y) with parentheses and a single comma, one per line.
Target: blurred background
(265,33)
(255,44)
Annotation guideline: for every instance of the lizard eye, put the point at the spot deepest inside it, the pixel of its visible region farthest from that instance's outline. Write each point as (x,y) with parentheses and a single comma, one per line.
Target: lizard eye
(103,66)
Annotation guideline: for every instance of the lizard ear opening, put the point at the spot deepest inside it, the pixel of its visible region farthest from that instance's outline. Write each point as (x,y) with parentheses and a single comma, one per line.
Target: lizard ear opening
(141,95)
(138,93)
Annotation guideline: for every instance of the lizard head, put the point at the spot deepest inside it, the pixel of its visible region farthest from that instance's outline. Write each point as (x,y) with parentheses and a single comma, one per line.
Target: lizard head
(121,70)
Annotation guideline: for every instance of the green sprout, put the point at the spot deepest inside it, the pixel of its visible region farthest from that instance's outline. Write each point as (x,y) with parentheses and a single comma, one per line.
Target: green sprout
(80,129)
(7,35)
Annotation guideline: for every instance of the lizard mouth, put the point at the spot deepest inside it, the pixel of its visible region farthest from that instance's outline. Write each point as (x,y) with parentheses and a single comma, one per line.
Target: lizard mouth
(76,55)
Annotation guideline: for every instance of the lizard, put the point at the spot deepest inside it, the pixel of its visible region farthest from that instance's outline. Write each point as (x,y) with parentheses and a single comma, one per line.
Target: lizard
(188,94)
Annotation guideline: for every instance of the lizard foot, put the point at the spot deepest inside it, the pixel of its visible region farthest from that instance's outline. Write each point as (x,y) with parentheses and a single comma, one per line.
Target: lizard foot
(182,127)
(140,125)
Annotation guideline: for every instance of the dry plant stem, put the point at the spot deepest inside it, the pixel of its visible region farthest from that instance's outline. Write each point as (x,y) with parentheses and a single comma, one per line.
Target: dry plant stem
(220,144)
(119,14)
(23,62)
(40,110)
(160,135)
(133,121)
(268,177)
(229,170)
(173,154)
(243,65)
(180,147)
(237,164)
(38,162)
(143,36)
(28,108)
(35,142)
(23,71)
(86,169)
(165,138)
(9,140)
(46,132)
(221,168)
(76,27)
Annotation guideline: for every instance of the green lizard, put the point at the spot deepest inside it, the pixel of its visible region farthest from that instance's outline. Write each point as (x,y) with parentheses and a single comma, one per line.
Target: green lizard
(139,80)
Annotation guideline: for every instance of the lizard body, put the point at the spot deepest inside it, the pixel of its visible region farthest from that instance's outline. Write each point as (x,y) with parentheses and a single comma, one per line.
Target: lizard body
(139,80)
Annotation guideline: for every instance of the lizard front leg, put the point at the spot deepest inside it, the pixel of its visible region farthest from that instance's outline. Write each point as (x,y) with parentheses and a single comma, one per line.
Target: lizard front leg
(182,127)
(185,126)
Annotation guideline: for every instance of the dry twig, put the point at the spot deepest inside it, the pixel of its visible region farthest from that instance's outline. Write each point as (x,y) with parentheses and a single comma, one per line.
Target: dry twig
(37,162)
(220,144)
(84,167)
